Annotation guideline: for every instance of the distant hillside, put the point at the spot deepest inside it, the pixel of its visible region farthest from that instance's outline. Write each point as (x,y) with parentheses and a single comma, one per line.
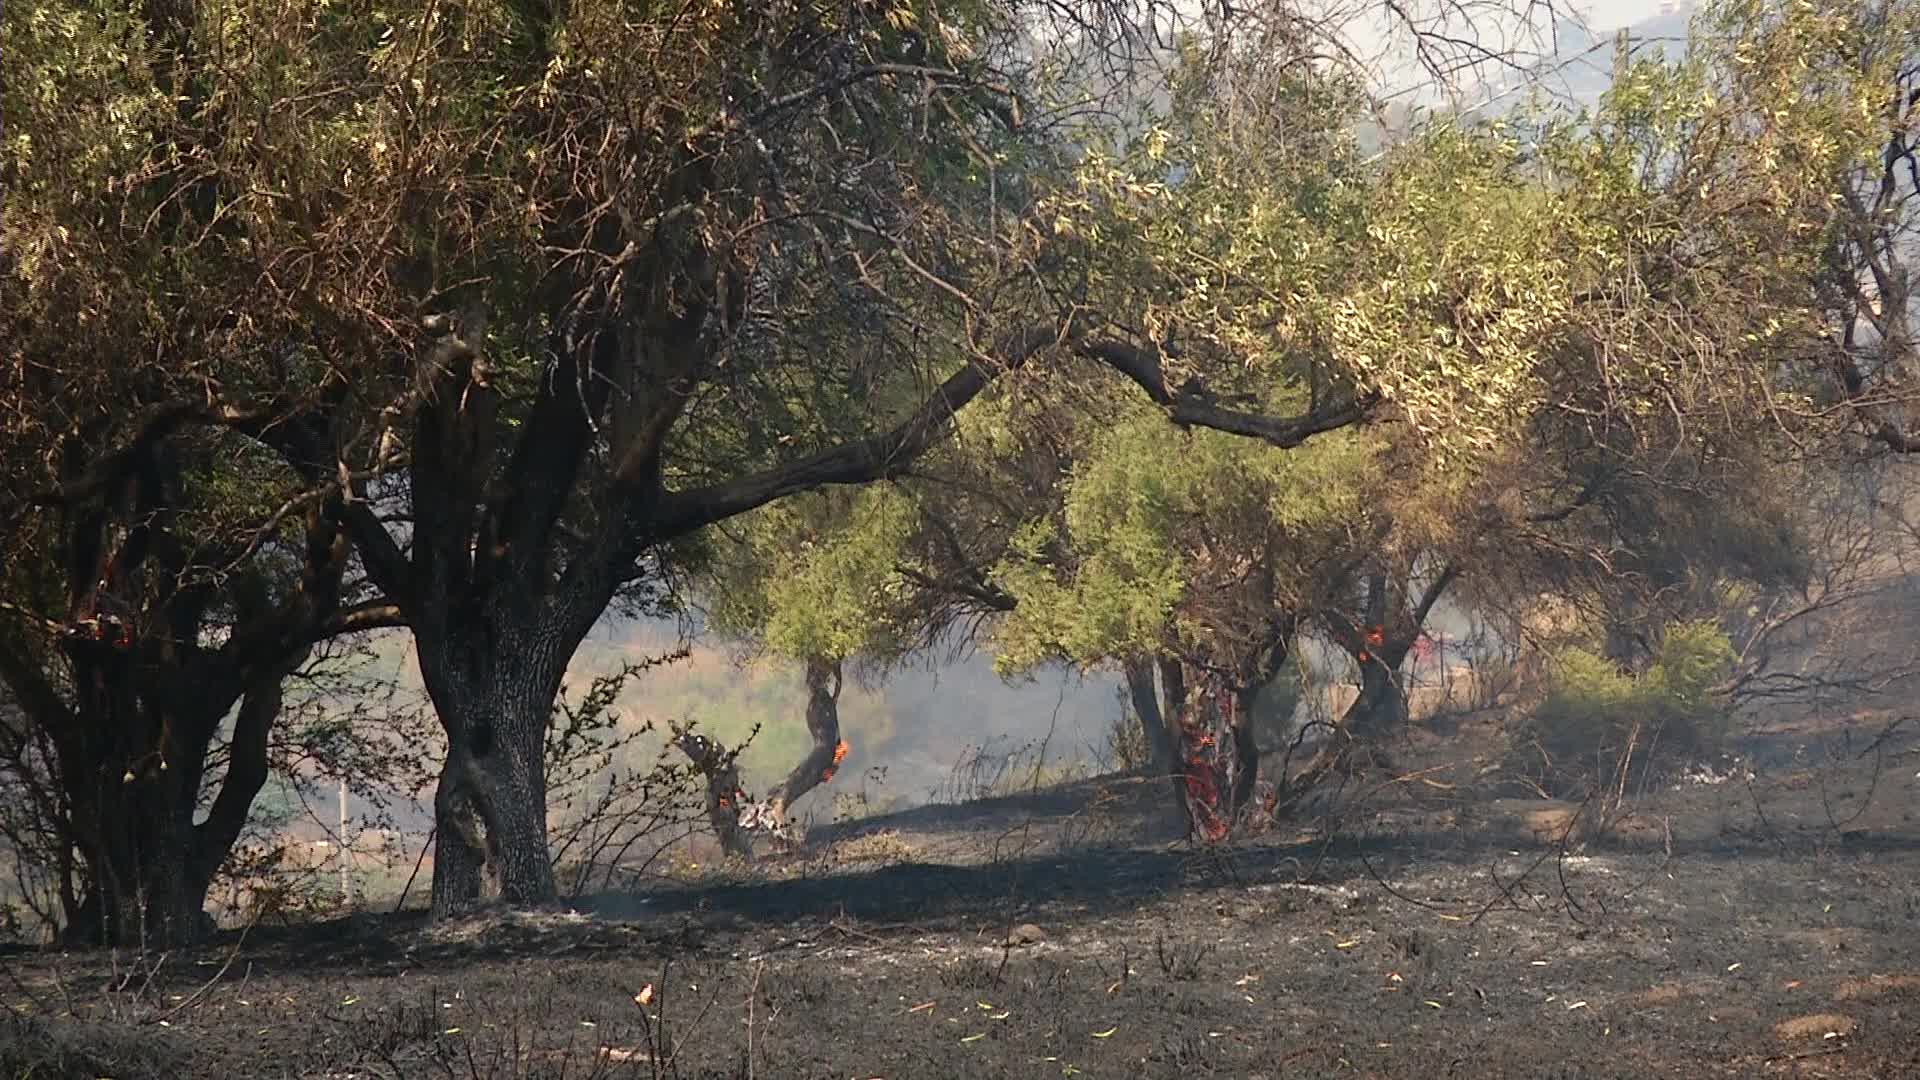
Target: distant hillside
(1580,69)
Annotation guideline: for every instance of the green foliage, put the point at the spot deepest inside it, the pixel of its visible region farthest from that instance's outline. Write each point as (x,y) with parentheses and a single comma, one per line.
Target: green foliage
(1597,721)
(1437,277)
(259,202)
(1155,523)
(817,575)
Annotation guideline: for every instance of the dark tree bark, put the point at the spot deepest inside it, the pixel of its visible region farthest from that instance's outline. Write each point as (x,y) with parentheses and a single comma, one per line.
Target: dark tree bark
(1246,750)
(131,738)
(823,677)
(1379,642)
(720,767)
(1141,693)
(490,804)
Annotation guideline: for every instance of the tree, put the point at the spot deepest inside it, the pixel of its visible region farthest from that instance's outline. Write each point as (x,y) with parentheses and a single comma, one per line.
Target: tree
(495,282)
(779,586)
(162,578)
(626,399)
(144,614)
(1203,562)
(866,580)
(1866,284)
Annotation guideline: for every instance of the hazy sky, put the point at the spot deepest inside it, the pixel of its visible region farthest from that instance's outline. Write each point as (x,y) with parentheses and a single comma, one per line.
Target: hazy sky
(1379,36)
(1613,14)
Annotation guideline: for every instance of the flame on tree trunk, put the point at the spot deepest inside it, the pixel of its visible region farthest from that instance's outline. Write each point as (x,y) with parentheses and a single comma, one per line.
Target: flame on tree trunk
(1379,712)
(1219,762)
(1208,760)
(1211,711)
(1379,643)
(823,726)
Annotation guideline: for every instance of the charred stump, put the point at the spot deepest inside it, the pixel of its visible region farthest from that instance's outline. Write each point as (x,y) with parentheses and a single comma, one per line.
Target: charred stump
(725,797)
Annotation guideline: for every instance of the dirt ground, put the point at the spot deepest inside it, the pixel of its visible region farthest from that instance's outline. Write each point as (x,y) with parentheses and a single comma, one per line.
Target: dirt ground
(1741,928)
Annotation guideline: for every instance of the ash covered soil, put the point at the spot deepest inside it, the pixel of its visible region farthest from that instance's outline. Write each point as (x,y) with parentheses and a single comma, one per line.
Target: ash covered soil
(1763,927)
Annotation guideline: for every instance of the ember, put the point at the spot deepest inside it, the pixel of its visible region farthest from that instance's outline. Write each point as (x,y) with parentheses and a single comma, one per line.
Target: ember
(1209,768)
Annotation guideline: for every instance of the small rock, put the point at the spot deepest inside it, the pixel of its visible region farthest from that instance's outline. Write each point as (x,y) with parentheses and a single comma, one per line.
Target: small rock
(1025,934)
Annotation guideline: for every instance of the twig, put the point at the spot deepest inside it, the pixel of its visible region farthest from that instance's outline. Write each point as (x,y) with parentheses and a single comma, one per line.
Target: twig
(417,864)
(217,976)
(753,991)
(1380,880)
(1802,1055)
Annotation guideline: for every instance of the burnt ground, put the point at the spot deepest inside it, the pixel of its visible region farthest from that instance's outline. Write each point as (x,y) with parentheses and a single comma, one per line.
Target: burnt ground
(1759,928)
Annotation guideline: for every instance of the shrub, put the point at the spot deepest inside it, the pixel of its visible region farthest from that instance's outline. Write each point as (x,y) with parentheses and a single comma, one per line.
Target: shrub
(1599,726)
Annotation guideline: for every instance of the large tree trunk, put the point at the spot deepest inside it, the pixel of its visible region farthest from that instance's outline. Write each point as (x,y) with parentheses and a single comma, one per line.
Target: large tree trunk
(490,807)
(1211,738)
(1153,724)
(1210,752)
(1173,711)
(138,854)
(1379,643)
(123,805)
(823,726)
(1246,749)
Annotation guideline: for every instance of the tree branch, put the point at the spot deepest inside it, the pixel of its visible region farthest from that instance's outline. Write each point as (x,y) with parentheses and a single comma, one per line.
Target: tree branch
(155,425)
(246,767)
(1191,406)
(1431,596)
(34,693)
(888,455)
(372,615)
(871,71)
(880,457)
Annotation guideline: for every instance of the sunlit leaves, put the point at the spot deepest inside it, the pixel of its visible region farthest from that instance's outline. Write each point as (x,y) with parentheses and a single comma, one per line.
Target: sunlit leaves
(1156,525)
(816,576)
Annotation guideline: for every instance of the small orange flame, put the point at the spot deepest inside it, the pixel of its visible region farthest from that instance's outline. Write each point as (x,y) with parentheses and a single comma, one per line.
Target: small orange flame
(1376,636)
(839,755)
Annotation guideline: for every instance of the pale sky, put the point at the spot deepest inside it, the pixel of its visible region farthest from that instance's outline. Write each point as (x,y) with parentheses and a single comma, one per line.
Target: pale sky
(1379,37)
(1613,14)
